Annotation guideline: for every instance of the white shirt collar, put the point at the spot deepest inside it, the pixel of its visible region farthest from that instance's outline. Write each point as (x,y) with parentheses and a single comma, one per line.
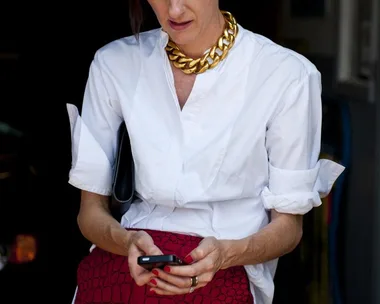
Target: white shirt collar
(164,38)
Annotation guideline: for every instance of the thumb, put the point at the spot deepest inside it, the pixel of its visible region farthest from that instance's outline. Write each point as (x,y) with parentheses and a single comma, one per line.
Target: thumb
(153,250)
(146,244)
(204,248)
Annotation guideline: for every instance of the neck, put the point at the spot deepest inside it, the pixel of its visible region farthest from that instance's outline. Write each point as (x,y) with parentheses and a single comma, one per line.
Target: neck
(208,38)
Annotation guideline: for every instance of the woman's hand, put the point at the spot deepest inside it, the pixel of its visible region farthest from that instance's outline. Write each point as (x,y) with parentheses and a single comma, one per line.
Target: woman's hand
(204,261)
(140,243)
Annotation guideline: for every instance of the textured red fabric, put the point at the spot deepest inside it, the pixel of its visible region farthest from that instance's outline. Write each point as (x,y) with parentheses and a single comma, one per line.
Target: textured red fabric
(104,278)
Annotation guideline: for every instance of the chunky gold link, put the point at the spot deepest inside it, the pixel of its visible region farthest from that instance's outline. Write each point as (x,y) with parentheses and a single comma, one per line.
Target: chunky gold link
(213,57)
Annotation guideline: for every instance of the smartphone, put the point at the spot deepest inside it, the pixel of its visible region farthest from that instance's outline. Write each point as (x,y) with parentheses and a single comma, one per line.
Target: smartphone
(158,261)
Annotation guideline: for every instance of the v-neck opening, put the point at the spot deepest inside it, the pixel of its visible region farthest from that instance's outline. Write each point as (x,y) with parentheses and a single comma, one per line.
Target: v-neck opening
(171,82)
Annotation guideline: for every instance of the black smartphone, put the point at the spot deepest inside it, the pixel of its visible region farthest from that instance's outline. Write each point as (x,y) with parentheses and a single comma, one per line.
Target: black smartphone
(158,261)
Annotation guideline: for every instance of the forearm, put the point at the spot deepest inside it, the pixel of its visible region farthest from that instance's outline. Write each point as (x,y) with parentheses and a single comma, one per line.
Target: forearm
(99,227)
(279,237)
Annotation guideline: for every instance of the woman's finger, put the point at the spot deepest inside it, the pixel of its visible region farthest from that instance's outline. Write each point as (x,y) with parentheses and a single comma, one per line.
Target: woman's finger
(205,265)
(143,241)
(139,274)
(180,282)
(162,287)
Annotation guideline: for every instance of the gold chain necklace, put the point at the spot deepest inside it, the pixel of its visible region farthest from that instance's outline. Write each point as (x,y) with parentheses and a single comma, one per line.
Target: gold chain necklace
(210,59)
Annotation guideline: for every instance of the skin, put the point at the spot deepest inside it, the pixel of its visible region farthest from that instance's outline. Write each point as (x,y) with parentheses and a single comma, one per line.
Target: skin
(206,27)
(279,237)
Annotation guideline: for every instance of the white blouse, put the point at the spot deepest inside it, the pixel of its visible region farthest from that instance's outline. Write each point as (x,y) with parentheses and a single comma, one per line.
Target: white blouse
(247,140)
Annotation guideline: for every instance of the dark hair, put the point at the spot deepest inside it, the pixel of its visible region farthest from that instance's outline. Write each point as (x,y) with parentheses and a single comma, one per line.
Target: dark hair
(136,16)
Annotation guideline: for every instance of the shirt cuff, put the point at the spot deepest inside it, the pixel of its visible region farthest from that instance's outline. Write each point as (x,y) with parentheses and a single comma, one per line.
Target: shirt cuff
(91,169)
(298,191)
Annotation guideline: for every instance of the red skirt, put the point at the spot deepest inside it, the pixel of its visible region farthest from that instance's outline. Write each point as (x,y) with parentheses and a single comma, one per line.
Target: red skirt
(104,277)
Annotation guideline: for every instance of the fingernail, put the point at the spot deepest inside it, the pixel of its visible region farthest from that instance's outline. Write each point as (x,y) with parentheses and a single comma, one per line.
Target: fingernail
(153,281)
(152,291)
(188,259)
(167,269)
(155,272)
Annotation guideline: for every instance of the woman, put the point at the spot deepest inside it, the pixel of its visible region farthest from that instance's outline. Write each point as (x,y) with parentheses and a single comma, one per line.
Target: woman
(226,149)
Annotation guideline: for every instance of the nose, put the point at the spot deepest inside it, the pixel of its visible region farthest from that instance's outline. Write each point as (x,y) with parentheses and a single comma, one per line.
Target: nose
(176,9)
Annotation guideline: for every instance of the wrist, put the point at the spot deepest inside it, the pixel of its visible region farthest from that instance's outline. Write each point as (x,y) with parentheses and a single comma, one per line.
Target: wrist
(233,252)
(128,239)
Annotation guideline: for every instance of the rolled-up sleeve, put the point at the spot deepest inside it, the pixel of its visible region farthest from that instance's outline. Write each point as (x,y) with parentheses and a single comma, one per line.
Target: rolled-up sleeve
(94,134)
(298,179)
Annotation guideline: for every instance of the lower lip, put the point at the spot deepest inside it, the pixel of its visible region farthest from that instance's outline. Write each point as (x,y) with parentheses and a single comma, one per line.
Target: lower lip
(179,26)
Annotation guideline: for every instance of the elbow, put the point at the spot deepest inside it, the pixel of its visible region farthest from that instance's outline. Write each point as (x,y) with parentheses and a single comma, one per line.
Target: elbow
(295,226)
(298,230)
(80,223)
(296,240)
(84,227)
(292,226)
(89,208)
(83,224)
(298,237)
